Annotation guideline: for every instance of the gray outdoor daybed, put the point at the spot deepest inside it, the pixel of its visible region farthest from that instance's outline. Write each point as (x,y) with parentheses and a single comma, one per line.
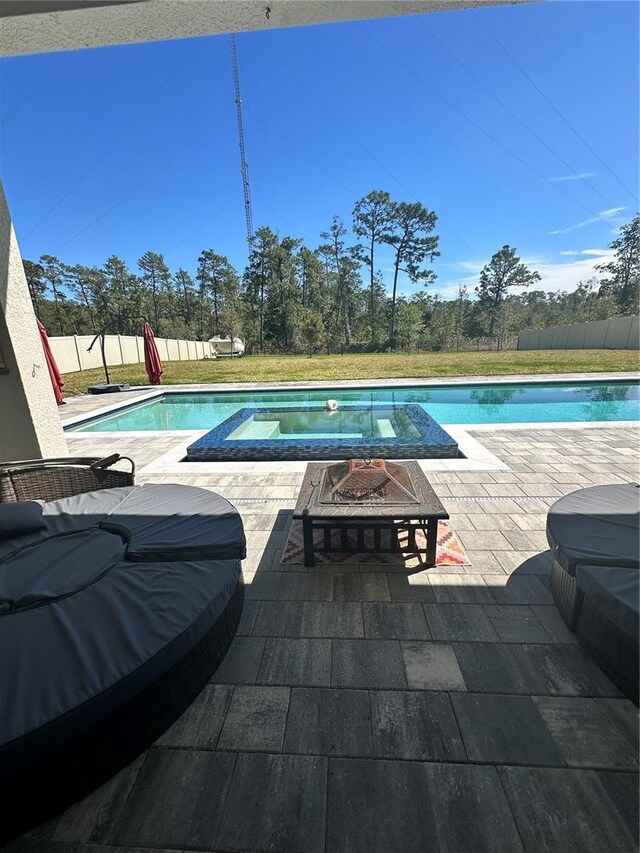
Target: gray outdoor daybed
(115,609)
(594,535)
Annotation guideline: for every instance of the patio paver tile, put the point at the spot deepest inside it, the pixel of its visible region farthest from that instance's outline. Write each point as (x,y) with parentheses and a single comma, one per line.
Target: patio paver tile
(486,540)
(584,735)
(569,672)
(518,589)
(405,587)
(91,819)
(432,666)
(459,622)
(622,789)
(554,625)
(278,619)
(200,725)
(264,586)
(464,588)
(332,619)
(248,617)
(301,586)
(329,722)
(275,802)
(362,586)
(241,662)
(525,562)
(504,730)
(497,522)
(624,716)
(470,810)
(564,811)
(516,623)
(396,621)
(296,662)
(415,725)
(527,540)
(484,562)
(256,719)
(176,801)
(367,663)
(498,668)
(391,799)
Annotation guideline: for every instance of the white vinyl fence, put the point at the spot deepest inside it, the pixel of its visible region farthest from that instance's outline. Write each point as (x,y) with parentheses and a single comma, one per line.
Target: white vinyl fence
(616,333)
(71,353)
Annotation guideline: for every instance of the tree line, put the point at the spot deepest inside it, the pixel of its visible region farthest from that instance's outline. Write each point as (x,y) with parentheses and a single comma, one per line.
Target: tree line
(333,298)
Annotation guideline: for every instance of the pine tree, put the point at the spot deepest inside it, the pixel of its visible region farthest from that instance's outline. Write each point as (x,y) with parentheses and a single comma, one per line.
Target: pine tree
(410,236)
(372,222)
(157,278)
(624,269)
(34,274)
(503,271)
(56,274)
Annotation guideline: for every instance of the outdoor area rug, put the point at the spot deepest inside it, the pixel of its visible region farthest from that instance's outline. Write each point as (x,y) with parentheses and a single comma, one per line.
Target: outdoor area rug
(449,552)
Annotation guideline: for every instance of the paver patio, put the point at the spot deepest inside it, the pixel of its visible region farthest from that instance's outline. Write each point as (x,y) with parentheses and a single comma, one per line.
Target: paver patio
(363,709)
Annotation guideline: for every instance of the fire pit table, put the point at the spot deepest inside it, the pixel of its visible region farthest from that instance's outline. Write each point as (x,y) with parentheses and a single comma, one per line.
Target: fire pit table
(364,505)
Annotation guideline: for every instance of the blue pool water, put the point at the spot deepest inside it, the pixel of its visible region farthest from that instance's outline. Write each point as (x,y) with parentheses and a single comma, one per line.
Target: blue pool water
(459,404)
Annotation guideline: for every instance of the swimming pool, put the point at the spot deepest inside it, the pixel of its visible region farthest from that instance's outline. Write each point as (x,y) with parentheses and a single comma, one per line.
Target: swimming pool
(447,404)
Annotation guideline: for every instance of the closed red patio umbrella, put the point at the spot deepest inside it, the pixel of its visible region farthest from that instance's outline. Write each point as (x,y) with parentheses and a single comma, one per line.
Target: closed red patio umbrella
(56,377)
(152,362)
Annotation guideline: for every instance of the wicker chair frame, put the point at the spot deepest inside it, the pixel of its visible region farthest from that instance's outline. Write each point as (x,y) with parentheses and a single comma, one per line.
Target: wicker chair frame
(615,652)
(73,769)
(51,479)
(567,596)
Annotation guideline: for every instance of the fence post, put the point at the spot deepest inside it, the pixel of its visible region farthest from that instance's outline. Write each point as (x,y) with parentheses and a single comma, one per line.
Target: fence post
(120,348)
(75,341)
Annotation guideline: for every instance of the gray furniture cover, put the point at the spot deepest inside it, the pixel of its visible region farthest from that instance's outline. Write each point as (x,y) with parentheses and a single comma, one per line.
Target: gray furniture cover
(118,587)
(599,525)
(616,594)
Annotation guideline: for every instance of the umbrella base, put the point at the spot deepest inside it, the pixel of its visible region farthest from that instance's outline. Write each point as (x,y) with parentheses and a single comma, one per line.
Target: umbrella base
(110,388)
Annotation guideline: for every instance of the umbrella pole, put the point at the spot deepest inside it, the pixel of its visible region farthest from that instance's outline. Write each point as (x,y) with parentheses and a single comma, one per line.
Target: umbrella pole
(104,360)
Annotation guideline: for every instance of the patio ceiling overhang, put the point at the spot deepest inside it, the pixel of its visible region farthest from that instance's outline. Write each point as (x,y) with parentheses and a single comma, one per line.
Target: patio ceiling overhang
(40,27)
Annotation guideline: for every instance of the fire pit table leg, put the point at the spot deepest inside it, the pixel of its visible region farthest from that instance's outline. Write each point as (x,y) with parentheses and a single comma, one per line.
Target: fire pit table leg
(432,539)
(307,538)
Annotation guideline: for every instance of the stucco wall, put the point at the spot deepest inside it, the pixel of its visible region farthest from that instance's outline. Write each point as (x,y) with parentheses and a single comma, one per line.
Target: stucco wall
(29,423)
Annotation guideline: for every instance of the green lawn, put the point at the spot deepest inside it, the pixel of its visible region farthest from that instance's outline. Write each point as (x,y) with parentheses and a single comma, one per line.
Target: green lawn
(379,366)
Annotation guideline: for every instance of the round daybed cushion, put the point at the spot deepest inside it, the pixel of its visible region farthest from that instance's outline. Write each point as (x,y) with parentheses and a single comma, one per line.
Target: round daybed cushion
(168,521)
(121,589)
(67,661)
(599,525)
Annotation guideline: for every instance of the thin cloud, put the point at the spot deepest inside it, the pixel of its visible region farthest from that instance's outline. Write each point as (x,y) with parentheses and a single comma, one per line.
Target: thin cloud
(601,217)
(595,253)
(578,176)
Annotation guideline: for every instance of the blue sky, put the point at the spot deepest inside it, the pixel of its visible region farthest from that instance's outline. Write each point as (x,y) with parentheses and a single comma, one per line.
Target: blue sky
(126,149)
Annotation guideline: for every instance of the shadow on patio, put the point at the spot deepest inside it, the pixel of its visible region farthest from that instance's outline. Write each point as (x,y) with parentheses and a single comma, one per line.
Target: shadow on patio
(361,707)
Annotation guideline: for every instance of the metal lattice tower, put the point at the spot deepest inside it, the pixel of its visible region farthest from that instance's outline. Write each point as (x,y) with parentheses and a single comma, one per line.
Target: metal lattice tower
(243,160)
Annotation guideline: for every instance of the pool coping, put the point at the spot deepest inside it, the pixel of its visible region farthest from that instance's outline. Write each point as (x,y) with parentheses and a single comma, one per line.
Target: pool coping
(476,458)
(232,387)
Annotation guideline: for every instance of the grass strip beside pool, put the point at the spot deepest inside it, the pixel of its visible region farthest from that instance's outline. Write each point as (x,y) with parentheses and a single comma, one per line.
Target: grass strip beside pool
(324,368)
